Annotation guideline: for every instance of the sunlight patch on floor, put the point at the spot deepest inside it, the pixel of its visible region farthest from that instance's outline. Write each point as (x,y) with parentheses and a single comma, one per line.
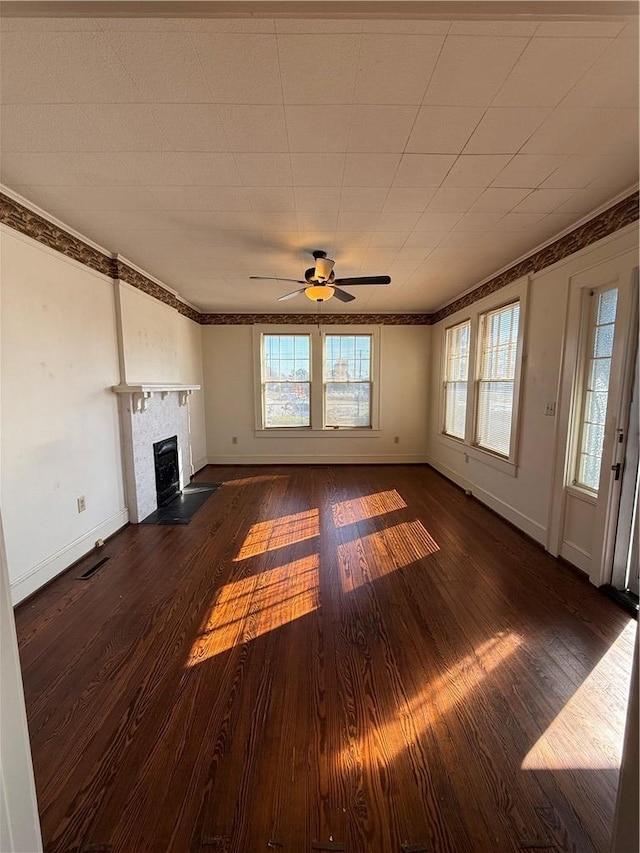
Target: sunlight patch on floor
(248,608)
(367,506)
(366,558)
(407,727)
(588,733)
(279,532)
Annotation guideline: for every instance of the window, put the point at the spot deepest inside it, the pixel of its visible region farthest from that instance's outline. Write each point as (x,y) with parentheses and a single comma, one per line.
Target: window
(482,357)
(347,381)
(456,372)
(316,382)
(496,378)
(595,390)
(286,380)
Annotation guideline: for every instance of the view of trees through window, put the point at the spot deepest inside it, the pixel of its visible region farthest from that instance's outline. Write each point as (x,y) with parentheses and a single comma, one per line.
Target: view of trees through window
(347,378)
(286,380)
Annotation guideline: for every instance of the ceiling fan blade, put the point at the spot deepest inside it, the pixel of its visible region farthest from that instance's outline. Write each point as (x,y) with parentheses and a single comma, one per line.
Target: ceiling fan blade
(292,294)
(342,295)
(367,279)
(273,278)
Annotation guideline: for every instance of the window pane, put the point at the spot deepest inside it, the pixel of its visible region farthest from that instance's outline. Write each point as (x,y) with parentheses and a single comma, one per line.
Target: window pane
(495,401)
(496,386)
(348,404)
(455,379)
(285,380)
(286,404)
(595,394)
(348,357)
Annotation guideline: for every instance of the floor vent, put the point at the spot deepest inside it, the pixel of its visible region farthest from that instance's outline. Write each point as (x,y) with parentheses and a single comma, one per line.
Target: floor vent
(93,569)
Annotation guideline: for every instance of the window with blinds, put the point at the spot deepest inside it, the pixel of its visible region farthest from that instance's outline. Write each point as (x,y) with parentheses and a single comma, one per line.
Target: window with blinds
(496,378)
(456,372)
(595,392)
(286,380)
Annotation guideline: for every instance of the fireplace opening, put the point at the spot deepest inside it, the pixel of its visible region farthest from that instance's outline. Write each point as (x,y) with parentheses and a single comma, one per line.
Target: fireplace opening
(165,455)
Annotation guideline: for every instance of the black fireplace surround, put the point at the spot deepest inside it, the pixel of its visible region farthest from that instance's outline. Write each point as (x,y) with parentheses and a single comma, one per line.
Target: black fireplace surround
(165,455)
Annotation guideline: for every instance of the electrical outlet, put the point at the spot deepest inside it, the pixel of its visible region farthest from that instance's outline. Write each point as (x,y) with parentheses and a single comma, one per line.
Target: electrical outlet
(234,439)
(550,409)
(396,439)
(82,503)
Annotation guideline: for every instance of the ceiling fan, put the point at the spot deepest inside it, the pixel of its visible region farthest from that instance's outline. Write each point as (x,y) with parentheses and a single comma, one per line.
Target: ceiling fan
(321,284)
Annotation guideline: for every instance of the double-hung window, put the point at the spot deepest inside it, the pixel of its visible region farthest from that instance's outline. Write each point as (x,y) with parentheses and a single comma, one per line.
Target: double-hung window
(481,365)
(456,373)
(316,381)
(496,378)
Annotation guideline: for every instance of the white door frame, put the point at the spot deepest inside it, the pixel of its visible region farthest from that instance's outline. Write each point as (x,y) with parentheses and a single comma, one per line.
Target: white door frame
(616,271)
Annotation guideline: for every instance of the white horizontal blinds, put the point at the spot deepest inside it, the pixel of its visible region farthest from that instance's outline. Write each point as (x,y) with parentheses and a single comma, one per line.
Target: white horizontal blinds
(286,380)
(596,389)
(456,374)
(347,380)
(496,380)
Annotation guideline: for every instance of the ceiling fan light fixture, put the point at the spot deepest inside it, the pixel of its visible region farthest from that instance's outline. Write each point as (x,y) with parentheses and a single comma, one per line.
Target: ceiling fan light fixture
(324,267)
(319,292)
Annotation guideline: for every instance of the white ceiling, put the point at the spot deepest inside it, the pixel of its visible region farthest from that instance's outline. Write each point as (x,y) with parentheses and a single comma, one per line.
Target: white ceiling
(206,150)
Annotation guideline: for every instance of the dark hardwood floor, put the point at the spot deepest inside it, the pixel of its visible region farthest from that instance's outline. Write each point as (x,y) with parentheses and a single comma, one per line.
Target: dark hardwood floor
(359,656)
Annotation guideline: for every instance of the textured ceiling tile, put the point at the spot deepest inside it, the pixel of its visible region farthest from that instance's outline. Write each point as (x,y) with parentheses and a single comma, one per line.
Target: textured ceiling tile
(412,27)
(543,201)
(318,129)
(84,66)
(317,220)
(313,26)
(191,127)
(493,28)
(612,81)
(423,170)
(573,130)
(201,198)
(443,130)
(408,198)
(499,199)
(44,169)
(395,69)
(268,199)
(363,198)
(357,220)
(24,78)
(254,128)
(583,201)
(240,68)
(311,170)
(380,129)
(437,221)
(528,170)
(46,127)
(504,130)
(547,70)
(397,219)
(307,79)
(62,199)
(264,170)
(370,170)
(454,199)
(580,29)
(125,127)
(471,69)
(425,239)
(475,170)
(309,198)
(388,239)
(163,66)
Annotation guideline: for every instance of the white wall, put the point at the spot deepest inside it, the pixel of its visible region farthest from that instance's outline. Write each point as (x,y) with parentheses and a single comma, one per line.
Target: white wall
(404,396)
(60,430)
(525,498)
(161,345)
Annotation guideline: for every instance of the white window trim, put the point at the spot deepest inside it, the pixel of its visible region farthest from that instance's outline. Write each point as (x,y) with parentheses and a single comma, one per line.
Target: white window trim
(317,334)
(517,291)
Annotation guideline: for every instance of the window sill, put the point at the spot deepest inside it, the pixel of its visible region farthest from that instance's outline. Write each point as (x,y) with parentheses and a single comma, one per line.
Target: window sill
(297,432)
(505,466)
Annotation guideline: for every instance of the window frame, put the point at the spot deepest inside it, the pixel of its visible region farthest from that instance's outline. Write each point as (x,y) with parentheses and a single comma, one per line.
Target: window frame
(445,380)
(317,335)
(264,381)
(516,292)
(586,336)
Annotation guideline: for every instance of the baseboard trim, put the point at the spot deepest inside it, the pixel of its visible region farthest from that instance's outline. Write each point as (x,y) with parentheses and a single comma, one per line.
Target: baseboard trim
(59,562)
(576,555)
(532,528)
(319,459)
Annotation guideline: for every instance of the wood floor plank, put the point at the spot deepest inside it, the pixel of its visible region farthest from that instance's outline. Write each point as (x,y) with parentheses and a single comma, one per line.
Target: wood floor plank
(355,655)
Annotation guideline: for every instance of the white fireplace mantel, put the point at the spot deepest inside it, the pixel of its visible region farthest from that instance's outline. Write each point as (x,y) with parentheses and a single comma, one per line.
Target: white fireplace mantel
(140,393)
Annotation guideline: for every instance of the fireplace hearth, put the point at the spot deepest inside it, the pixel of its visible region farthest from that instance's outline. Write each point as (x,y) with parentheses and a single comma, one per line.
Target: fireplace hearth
(165,456)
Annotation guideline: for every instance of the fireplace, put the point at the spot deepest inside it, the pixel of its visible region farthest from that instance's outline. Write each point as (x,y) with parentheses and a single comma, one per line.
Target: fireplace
(165,456)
